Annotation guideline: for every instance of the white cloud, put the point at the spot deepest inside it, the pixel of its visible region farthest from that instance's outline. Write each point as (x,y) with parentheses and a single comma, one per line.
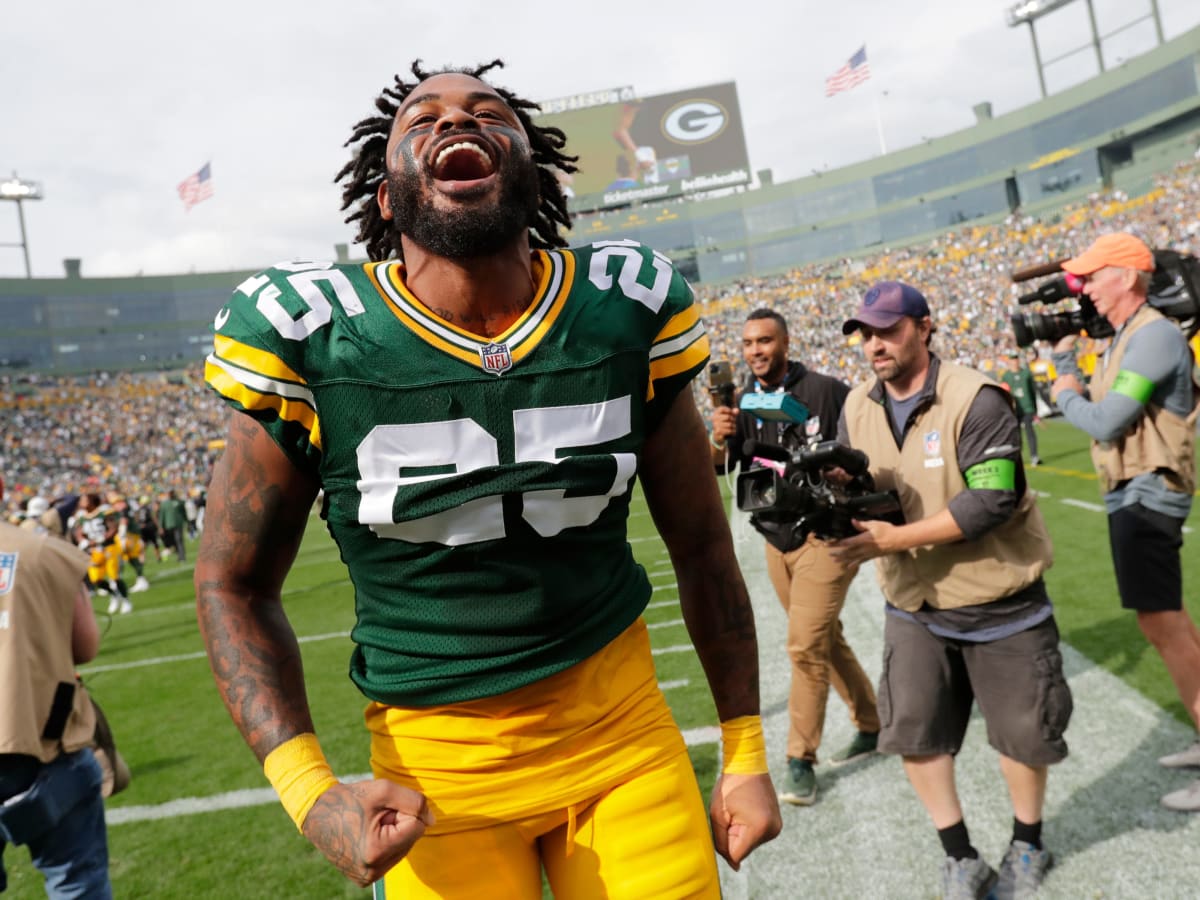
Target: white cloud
(111,105)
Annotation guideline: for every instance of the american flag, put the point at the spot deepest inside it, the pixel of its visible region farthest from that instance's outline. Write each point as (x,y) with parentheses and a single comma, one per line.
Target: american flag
(855,71)
(196,187)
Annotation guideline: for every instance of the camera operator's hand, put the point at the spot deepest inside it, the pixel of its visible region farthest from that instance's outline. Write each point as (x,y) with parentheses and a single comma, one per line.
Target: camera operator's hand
(876,539)
(836,475)
(1065,382)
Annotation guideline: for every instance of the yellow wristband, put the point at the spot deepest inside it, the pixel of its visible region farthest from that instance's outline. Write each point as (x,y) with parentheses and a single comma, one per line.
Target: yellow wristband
(716,445)
(300,775)
(743,746)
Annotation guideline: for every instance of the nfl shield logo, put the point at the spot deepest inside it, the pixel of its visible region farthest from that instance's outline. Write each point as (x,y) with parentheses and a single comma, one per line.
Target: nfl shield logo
(933,443)
(495,358)
(8,571)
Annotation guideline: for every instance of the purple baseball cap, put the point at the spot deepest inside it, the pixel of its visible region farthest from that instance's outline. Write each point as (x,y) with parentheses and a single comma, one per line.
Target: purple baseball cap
(886,304)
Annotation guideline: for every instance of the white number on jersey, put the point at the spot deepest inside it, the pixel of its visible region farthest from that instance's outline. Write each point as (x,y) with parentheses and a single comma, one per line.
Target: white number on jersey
(303,278)
(652,297)
(463,445)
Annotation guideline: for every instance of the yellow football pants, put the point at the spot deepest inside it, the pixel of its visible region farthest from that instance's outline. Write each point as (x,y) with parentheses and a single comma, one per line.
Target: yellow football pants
(646,839)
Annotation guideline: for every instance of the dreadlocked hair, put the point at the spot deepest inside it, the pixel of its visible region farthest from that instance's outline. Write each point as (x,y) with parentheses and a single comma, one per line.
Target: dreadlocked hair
(367,169)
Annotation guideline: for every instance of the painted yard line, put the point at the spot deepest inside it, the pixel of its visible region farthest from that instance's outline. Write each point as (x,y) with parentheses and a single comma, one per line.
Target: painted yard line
(191,806)
(642,540)
(186,657)
(664,587)
(662,604)
(183,657)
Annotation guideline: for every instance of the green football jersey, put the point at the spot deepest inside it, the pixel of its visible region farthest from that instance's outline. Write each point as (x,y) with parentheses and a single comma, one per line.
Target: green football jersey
(478,489)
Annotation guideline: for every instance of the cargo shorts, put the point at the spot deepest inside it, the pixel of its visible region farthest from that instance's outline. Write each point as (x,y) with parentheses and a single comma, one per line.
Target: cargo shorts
(930,684)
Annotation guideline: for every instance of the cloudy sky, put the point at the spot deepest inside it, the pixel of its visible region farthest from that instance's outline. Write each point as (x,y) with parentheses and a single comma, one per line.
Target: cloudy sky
(110,105)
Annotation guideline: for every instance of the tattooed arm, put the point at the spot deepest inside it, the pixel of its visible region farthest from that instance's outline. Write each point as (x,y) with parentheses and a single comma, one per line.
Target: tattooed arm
(681,491)
(258,506)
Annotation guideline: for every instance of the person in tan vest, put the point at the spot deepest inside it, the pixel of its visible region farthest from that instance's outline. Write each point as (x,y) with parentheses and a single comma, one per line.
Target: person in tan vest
(967,615)
(49,779)
(1140,412)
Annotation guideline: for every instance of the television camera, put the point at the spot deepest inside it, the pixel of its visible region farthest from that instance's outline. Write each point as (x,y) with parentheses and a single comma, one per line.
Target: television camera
(1174,291)
(790,485)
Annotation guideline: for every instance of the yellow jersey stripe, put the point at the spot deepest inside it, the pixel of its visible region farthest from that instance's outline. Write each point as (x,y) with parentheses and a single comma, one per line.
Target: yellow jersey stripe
(558,301)
(253,359)
(556,273)
(665,366)
(253,392)
(386,291)
(678,343)
(679,323)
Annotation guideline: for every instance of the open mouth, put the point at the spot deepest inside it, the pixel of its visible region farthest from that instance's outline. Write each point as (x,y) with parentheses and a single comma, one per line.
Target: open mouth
(463,161)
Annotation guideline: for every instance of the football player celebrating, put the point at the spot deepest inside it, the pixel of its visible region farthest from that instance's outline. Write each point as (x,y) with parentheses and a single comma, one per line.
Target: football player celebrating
(476,413)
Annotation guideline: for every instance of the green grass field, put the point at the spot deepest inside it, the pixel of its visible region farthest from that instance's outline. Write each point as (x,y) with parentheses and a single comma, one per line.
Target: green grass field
(179,831)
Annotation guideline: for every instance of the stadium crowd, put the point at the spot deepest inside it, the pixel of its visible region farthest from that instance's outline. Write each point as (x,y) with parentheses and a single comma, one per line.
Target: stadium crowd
(965,273)
(141,435)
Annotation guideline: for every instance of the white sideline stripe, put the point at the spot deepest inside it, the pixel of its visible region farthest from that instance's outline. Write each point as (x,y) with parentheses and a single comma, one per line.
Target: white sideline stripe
(200,654)
(191,806)
(183,657)
(1096,507)
(675,648)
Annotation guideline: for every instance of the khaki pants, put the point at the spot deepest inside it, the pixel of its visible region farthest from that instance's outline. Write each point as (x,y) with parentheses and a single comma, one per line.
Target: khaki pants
(812,588)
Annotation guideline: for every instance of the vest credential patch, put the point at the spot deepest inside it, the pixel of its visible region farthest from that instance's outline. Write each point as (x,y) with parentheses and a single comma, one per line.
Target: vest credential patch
(933,450)
(495,358)
(8,571)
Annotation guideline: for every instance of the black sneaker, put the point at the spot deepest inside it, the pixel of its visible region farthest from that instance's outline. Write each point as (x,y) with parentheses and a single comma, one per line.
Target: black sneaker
(800,783)
(862,746)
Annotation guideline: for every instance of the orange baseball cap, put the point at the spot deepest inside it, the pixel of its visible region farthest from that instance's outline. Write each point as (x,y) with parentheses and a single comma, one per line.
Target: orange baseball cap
(1117,249)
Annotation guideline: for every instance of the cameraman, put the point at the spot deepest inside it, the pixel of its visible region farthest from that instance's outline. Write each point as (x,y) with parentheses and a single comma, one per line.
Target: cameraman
(1142,421)
(967,615)
(50,781)
(810,584)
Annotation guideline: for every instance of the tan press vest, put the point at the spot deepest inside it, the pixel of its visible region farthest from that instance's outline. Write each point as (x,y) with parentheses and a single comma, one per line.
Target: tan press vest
(44,711)
(925,473)
(1160,440)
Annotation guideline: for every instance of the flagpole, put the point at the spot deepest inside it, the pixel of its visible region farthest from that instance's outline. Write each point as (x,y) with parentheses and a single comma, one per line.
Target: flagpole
(879,127)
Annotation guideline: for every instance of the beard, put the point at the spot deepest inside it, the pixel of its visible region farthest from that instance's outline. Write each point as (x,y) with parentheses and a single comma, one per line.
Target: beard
(465,233)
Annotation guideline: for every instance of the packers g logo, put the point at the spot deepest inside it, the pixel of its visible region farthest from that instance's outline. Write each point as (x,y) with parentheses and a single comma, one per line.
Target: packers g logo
(694,121)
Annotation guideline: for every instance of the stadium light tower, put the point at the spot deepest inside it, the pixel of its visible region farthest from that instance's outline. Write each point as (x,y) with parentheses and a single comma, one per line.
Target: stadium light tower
(1029,11)
(18,190)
